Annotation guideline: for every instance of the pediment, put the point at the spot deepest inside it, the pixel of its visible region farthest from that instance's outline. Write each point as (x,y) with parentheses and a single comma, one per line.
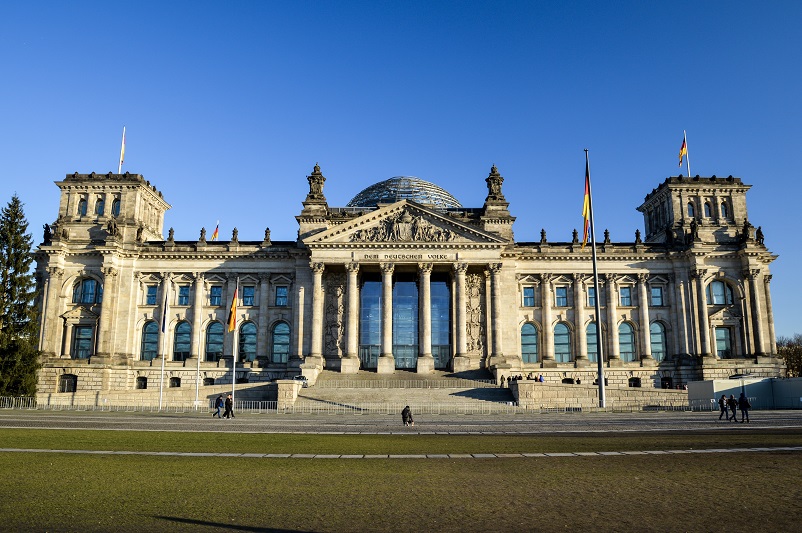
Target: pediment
(80,313)
(403,222)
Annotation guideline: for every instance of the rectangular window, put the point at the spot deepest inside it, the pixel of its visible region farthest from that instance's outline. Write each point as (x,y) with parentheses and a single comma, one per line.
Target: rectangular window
(723,343)
(247,295)
(82,343)
(657,296)
(183,295)
(153,290)
(529,296)
(216,295)
(561,296)
(626,296)
(281,296)
(591,296)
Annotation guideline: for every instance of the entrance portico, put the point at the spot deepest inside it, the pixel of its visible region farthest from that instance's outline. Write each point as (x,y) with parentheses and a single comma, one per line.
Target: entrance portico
(392,291)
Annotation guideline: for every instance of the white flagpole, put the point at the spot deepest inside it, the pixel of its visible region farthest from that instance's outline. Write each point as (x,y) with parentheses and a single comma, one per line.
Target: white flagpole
(234,346)
(599,344)
(197,372)
(122,153)
(165,310)
(687,157)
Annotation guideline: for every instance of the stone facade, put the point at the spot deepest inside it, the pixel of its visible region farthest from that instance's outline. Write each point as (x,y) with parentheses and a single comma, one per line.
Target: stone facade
(399,286)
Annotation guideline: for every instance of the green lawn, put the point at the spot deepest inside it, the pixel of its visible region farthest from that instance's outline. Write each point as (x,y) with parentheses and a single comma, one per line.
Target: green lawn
(69,492)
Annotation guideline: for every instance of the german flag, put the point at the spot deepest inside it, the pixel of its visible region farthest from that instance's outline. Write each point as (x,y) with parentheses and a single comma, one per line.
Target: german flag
(683,150)
(586,207)
(216,232)
(232,311)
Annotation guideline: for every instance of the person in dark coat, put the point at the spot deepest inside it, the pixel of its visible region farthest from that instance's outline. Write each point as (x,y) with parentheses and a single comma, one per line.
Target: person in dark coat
(218,404)
(722,404)
(732,403)
(229,413)
(744,406)
(406,416)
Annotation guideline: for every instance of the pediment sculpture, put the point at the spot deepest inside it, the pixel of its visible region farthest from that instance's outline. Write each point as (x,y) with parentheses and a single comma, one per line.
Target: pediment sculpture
(404,227)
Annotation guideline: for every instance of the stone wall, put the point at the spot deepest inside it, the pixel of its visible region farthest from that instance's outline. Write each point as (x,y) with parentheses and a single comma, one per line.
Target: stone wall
(534,395)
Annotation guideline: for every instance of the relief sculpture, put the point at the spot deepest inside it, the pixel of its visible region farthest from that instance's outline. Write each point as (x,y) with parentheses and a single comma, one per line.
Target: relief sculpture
(335,315)
(475,309)
(404,227)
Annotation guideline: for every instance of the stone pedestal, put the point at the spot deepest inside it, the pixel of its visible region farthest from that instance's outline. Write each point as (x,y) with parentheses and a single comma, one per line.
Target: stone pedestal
(349,365)
(461,363)
(386,364)
(425,365)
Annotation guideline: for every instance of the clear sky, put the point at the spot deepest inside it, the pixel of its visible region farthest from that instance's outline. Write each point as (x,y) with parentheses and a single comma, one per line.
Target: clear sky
(228,106)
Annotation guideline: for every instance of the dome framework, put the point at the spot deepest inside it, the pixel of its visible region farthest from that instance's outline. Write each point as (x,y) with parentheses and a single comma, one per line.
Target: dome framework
(404,188)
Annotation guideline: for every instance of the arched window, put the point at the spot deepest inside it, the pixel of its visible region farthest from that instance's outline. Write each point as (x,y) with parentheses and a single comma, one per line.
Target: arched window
(281,343)
(214,341)
(182,341)
(657,334)
(562,343)
(725,212)
(593,343)
(141,382)
(87,291)
(719,293)
(529,343)
(82,207)
(626,342)
(691,210)
(150,341)
(100,206)
(708,210)
(115,207)
(247,342)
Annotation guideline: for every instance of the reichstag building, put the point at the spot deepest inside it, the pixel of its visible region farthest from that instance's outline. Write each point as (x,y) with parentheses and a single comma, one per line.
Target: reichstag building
(401,279)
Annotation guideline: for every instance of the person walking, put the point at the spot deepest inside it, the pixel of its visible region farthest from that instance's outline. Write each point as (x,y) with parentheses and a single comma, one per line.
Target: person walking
(722,404)
(732,403)
(218,404)
(229,413)
(744,406)
(406,416)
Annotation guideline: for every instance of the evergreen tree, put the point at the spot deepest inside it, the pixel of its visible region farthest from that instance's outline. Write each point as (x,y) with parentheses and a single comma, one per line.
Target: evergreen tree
(19,316)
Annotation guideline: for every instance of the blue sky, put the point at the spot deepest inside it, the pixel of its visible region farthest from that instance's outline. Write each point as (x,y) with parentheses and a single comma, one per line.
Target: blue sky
(229,105)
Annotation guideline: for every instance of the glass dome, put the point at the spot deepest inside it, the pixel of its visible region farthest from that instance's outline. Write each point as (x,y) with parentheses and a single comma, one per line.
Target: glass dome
(404,188)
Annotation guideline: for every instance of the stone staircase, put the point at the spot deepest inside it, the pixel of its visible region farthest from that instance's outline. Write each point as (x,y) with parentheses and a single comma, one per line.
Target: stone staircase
(440,392)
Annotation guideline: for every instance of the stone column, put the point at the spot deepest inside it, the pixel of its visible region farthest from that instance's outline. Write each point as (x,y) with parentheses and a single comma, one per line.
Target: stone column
(495,309)
(52,325)
(197,316)
(350,363)
(461,359)
(613,350)
(425,357)
(386,362)
(548,328)
(704,321)
(757,314)
(66,346)
(298,331)
(579,314)
(263,334)
(105,328)
(645,333)
(316,350)
(770,315)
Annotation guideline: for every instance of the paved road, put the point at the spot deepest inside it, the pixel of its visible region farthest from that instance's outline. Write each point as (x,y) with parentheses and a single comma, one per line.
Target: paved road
(384,424)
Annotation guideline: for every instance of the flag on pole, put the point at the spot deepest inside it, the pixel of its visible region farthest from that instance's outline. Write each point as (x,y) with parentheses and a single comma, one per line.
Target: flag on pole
(216,231)
(166,306)
(586,206)
(232,312)
(122,153)
(683,150)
